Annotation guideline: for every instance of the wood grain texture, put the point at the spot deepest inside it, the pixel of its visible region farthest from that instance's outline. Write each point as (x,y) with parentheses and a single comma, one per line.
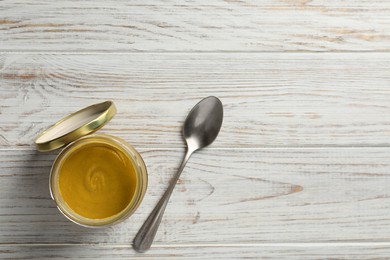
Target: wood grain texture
(295,99)
(248,25)
(277,252)
(300,169)
(224,196)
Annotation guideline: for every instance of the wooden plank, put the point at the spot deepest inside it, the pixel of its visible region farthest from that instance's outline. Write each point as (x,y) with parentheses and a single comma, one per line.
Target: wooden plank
(277,195)
(279,252)
(173,25)
(270,99)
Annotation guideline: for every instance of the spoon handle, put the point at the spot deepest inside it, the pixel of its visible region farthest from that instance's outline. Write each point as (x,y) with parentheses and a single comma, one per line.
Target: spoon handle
(144,238)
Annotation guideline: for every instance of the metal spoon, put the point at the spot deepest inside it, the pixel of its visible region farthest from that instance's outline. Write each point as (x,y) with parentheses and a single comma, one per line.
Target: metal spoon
(200,129)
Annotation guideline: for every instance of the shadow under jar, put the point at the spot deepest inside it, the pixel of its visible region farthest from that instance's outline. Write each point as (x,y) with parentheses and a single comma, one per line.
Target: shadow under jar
(97,180)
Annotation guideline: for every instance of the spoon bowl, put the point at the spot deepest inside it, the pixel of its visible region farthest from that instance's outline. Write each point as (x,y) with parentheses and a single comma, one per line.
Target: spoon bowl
(201,128)
(203,123)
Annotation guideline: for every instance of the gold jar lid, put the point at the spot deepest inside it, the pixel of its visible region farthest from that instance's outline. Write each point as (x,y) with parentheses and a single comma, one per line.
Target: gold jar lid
(76,125)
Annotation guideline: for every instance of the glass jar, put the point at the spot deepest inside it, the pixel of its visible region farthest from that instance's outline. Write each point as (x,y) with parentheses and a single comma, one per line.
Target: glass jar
(97,180)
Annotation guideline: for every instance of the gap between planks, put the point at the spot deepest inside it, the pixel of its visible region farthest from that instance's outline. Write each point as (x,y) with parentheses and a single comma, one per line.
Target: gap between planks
(384,147)
(303,244)
(103,51)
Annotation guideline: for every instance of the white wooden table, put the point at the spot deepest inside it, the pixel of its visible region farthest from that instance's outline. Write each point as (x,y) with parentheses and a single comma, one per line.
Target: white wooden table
(300,170)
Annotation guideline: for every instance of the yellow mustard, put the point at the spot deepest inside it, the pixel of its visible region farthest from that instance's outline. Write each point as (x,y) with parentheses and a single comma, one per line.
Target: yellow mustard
(97,181)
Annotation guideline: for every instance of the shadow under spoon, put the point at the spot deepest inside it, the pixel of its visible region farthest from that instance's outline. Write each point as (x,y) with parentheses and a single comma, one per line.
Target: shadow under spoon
(201,128)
